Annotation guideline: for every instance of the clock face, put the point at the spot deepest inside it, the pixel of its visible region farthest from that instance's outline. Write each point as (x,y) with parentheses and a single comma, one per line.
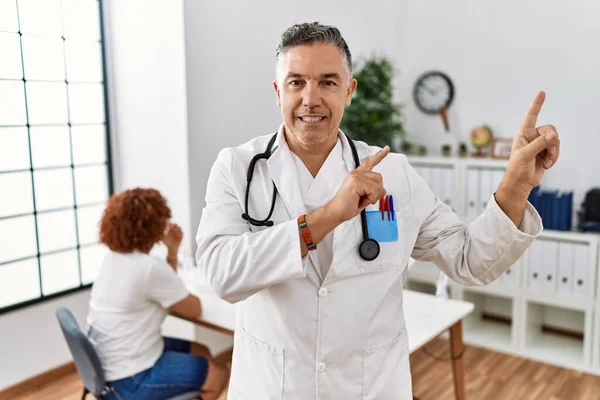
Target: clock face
(433,91)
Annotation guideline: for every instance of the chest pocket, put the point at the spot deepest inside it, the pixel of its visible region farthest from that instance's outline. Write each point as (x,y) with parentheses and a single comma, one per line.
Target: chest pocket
(393,255)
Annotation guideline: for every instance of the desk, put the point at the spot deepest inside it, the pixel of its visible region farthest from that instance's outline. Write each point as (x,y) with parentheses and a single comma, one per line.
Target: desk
(426,318)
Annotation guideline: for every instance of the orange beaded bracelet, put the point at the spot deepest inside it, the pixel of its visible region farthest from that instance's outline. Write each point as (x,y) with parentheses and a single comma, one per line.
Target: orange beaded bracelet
(305,233)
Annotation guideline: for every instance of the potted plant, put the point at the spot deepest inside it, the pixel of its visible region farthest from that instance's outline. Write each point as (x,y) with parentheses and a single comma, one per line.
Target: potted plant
(406,147)
(462,149)
(446,149)
(422,150)
(373,117)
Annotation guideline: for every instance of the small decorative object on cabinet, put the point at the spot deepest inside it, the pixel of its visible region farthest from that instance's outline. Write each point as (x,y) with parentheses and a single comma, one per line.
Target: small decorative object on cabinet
(501,148)
(481,137)
(462,149)
(422,150)
(446,150)
(406,147)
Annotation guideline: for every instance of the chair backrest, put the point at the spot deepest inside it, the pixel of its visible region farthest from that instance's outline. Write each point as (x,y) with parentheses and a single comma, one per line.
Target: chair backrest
(83,352)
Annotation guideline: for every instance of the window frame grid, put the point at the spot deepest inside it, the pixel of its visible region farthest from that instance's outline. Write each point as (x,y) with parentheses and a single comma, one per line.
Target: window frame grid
(107,164)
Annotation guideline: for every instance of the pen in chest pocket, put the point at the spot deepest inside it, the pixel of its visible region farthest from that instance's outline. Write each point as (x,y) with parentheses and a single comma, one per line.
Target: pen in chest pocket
(386,205)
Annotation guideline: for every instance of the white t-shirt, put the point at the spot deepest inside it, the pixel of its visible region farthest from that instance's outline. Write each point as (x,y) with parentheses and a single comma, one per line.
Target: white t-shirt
(127,307)
(318,191)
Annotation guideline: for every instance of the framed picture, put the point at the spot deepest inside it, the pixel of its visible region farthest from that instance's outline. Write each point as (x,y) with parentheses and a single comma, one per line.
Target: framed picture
(501,148)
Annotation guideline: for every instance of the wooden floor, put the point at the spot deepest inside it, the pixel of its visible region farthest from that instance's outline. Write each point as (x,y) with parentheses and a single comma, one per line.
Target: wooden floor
(490,376)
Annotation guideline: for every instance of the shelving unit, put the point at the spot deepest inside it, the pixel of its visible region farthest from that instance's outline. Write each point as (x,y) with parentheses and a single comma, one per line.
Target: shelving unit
(545,335)
(491,324)
(550,295)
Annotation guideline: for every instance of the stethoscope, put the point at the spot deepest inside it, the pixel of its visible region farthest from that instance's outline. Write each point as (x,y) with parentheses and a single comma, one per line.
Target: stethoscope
(368,248)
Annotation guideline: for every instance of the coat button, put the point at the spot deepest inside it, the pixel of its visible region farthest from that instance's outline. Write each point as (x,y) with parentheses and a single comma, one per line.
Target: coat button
(322,292)
(321,367)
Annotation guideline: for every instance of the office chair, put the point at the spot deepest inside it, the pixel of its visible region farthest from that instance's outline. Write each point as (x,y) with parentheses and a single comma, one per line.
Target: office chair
(86,359)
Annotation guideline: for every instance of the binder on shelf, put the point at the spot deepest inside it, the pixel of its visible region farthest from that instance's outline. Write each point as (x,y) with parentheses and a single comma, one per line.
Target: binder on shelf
(554,208)
(548,268)
(581,265)
(565,268)
(535,265)
(447,183)
(557,212)
(472,210)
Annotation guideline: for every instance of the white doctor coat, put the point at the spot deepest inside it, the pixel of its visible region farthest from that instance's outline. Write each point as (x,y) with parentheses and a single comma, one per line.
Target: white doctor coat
(302,335)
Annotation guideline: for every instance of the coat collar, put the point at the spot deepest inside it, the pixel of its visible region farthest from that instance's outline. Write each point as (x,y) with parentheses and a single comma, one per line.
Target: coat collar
(289,189)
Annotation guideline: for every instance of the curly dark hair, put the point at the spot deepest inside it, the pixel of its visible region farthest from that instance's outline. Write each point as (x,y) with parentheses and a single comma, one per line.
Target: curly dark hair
(134,219)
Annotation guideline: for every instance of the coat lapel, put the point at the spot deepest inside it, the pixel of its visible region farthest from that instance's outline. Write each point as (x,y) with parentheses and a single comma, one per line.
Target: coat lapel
(283,172)
(342,231)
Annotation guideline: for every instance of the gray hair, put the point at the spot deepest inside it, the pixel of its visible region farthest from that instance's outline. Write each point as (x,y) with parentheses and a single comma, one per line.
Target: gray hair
(314,32)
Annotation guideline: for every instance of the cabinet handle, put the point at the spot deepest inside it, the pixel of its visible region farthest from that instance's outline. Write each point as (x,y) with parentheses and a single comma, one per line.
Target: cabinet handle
(564,279)
(579,282)
(535,275)
(549,277)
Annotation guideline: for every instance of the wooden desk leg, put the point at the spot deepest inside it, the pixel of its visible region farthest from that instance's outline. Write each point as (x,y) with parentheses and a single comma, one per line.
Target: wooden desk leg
(458,368)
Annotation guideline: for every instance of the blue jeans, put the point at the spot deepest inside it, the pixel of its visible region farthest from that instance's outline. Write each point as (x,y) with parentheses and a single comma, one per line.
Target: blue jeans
(175,372)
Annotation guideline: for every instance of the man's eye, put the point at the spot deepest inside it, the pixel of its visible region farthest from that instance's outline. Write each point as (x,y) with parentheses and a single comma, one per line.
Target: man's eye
(329,83)
(296,82)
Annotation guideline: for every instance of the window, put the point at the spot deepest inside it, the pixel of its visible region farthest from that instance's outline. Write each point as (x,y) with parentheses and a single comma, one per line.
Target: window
(54,148)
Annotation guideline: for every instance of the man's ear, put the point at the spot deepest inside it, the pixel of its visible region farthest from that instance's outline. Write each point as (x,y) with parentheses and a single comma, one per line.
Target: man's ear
(276,87)
(351,89)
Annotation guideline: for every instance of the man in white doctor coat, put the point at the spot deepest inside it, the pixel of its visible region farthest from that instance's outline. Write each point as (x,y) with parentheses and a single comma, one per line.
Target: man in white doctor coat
(315,319)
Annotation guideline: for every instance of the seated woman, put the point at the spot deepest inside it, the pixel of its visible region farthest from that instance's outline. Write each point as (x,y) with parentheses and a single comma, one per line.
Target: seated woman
(130,298)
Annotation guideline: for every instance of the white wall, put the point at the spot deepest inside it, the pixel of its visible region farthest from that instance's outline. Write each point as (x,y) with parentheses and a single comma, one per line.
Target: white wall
(149,101)
(230,48)
(31,339)
(499,54)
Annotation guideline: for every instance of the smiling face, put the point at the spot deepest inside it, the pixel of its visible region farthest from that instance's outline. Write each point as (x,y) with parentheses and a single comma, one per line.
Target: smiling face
(313,86)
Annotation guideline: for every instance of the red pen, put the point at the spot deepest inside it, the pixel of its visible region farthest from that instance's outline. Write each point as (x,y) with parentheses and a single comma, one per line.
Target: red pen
(382,207)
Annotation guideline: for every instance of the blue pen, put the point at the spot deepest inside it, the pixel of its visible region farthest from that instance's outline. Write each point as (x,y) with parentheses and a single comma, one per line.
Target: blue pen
(392,207)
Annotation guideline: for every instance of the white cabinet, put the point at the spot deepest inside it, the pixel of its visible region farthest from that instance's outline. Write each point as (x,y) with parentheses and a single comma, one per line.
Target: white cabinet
(546,306)
(558,335)
(492,322)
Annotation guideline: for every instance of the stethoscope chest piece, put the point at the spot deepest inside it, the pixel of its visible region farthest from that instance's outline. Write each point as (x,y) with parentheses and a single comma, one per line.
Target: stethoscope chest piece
(369,249)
